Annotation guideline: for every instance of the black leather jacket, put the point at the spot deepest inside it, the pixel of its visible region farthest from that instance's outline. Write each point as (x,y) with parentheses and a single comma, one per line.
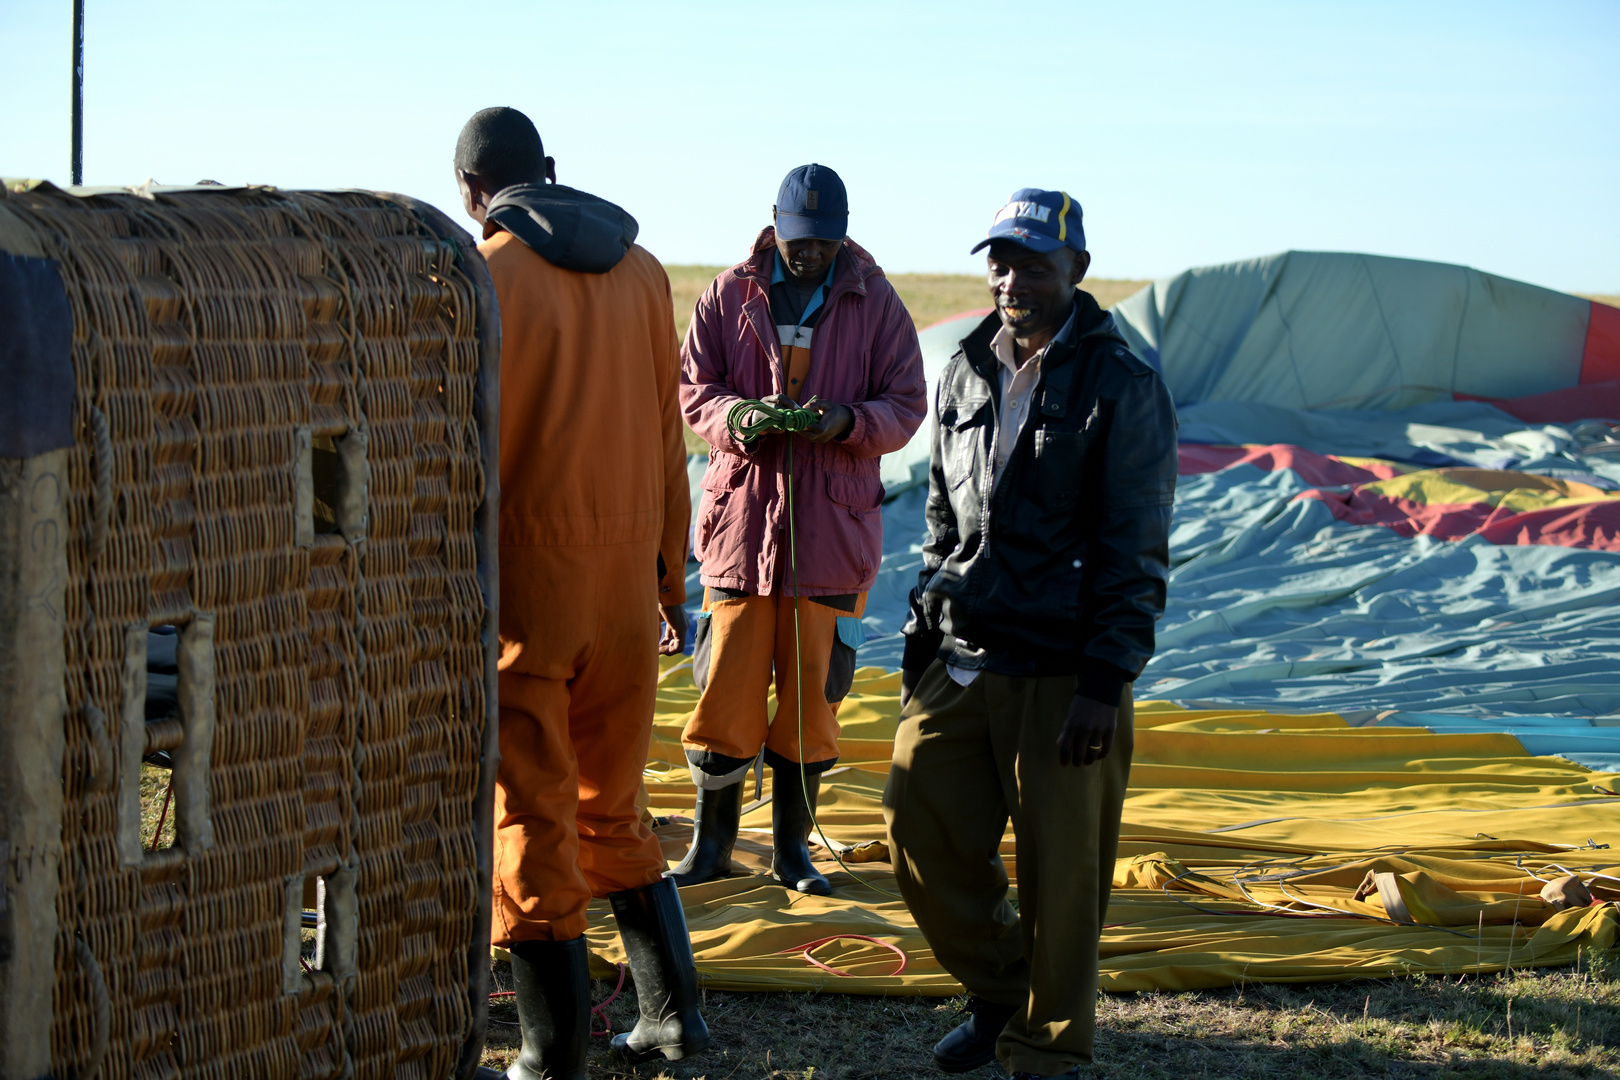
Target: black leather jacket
(1061,567)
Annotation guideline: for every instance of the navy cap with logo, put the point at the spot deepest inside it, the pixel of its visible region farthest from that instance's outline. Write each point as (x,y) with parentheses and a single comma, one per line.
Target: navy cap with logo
(812,204)
(1042,221)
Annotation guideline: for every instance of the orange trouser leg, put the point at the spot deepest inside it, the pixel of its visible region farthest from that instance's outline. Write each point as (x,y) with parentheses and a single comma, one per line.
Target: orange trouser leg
(751,641)
(576,716)
(610,721)
(540,891)
(731,719)
(817,630)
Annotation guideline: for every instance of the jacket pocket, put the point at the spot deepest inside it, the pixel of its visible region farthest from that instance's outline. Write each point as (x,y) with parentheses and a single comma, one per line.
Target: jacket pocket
(726,473)
(1060,465)
(857,494)
(846,534)
(962,429)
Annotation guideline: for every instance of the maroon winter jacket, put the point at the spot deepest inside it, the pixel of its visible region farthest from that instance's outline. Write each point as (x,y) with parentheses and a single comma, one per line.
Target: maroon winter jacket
(864,354)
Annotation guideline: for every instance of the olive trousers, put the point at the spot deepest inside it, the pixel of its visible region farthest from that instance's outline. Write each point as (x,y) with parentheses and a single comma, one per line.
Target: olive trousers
(966,760)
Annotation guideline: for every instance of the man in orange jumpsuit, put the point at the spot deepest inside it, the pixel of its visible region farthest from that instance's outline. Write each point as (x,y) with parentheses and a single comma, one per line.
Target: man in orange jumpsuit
(593,523)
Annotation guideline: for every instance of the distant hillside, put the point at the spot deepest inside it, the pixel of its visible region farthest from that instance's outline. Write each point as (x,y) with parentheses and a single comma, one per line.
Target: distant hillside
(929,297)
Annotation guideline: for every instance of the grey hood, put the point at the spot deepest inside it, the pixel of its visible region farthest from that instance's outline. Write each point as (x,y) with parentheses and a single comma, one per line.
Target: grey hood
(568,228)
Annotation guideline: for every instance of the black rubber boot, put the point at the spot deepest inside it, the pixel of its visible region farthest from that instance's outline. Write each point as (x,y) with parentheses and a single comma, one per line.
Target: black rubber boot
(793,796)
(653,929)
(714,833)
(553,984)
(972,1045)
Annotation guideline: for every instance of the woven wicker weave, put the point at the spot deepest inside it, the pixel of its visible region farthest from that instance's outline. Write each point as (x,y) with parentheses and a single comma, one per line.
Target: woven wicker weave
(223,341)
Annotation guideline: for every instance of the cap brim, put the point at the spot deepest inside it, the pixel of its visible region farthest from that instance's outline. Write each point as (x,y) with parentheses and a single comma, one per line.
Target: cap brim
(801,227)
(1023,238)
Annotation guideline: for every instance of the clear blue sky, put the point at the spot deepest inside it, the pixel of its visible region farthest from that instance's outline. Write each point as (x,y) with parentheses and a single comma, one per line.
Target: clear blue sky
(1478,133)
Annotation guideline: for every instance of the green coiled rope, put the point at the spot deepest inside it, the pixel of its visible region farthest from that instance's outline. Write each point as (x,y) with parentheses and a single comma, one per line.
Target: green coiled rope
(770,420)
(748,422)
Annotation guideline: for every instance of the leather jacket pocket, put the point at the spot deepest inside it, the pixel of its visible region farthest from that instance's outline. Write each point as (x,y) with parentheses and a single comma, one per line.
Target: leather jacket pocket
(962,423)
(1060,466)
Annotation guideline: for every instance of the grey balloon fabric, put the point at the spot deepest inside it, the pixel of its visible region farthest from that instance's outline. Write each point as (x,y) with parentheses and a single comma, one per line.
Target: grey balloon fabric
(1333,330)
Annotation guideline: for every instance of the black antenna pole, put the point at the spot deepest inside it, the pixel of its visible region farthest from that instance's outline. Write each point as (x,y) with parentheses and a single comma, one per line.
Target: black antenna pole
(78,91)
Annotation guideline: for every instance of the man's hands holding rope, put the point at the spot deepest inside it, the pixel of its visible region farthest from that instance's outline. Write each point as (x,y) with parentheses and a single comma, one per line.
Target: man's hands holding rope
(836,420)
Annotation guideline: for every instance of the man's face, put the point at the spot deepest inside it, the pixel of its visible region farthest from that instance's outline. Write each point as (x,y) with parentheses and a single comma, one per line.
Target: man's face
(1032,291)
(807,260)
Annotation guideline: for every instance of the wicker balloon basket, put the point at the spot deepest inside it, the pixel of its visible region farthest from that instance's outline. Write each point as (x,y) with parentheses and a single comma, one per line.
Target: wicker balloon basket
(247,635)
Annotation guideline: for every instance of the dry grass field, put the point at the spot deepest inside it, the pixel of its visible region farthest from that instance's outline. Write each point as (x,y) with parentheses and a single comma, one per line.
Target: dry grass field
(1519,1025)
(929,298)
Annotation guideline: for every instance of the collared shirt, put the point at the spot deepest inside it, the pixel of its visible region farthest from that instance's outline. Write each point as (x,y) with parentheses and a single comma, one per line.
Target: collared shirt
(795,315)
(1018,382)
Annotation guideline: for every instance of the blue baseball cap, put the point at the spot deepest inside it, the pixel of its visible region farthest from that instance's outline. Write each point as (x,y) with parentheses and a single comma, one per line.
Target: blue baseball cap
(812,204)
(1042,221)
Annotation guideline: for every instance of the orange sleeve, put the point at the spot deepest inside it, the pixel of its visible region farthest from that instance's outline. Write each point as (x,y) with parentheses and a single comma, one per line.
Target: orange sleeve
(677,492)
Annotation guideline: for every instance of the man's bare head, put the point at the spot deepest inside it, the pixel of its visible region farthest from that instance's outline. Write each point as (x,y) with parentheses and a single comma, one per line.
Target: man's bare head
(497,148)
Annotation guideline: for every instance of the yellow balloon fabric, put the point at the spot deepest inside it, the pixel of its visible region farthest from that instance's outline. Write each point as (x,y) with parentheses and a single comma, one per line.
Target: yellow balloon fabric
(1257,847)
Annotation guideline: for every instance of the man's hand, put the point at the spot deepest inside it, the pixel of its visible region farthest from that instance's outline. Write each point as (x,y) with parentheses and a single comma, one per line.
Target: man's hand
(673,638)
(836,422)
(908,684)
(1088,733)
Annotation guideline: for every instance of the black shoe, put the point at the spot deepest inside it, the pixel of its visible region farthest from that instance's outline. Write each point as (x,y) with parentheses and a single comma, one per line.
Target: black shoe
(973,1044)
(553,984)
(714,832)
(793,797)
(653,929)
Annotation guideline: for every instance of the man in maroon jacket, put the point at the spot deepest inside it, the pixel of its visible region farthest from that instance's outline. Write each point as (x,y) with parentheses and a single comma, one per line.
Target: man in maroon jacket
(808,319)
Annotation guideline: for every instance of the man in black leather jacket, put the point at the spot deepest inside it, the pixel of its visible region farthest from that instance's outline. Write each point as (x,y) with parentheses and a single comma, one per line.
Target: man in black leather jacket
(1053,472)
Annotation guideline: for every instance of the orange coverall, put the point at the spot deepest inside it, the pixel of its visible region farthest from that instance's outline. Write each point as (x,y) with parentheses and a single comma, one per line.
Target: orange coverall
(593,494)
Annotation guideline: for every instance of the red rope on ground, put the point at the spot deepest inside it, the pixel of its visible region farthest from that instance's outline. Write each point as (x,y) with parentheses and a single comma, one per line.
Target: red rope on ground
(806,950)
(596,1010)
